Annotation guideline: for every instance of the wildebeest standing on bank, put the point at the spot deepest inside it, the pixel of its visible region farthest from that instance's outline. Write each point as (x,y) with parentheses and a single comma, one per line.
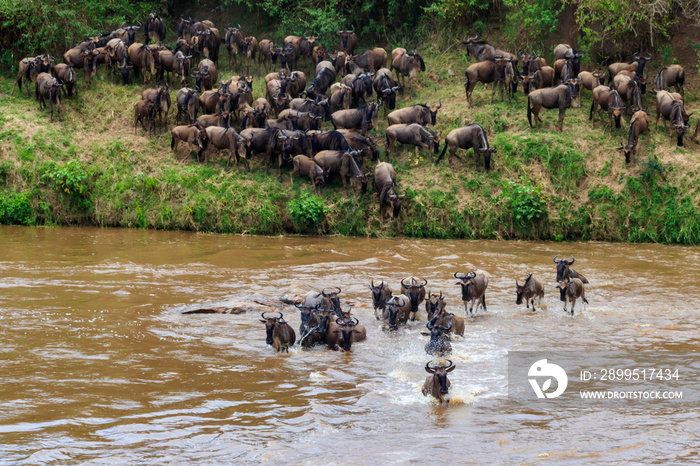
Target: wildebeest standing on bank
(154,29)
(608,100)
(418,113)
(369,60)
(638,125)
(414,134)
(468,137)
(437,384)
(637,64)
(363,118)
(564,270)
(305,166)
(556,97)
(473,291)
(407,65)
(384,186)
(279,333)
(344,164)
(192,135)
(348,41)
(482,50)
(570,290)
(672,75)
(187,104)
(48,87)
(530,289)
(228,139)
(671,108)
(145,59)
(67,75)
(483,72)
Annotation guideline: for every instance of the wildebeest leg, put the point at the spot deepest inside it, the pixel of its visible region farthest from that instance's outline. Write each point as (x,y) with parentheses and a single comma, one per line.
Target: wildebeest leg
(493,93)
(573,304)
(279,167)
(483,301)
(562,111)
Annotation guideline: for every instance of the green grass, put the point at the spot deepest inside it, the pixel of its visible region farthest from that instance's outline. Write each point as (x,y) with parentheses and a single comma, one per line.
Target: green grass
(575,182)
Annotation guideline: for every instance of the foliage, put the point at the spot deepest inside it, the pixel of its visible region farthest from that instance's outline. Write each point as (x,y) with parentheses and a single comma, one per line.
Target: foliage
(532,18)
(307,210)
(71,180)
(15,208)
(527,203)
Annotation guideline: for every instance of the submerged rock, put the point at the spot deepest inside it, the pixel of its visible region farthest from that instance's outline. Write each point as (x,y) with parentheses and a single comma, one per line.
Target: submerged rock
(237,305)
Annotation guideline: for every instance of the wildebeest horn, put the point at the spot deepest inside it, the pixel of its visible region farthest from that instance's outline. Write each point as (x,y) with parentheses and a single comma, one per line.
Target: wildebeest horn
(555,259)
(430,325)
(439,104)
(457,276)
(648,58)
(441,297)
(448,365)
(425,282)
(239,25)
(430,369)
(572,260)
(403,284)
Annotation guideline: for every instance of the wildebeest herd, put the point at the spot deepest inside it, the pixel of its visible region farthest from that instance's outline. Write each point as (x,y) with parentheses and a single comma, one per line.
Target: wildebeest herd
(286,125)
(324,322)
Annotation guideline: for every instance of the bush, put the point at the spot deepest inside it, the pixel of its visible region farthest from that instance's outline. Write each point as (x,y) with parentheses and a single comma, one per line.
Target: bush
(15,209)
(72,181)
(527,203)
(307,210)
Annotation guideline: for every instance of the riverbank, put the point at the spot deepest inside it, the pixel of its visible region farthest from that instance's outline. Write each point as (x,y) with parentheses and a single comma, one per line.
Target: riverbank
(91,169)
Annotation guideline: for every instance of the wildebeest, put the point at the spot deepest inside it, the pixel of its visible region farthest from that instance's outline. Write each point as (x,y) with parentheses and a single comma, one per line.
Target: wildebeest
(369,60)
(397,310)
(638,124)
(28,68)
(303,121)
(90,64)
(608,100)
(288,57)
(350,331)
(564,270)
(483,51)
(383,84)
(384,186)
(422,114)
(629,91)
(187,104)
(455,323)
(414,288)
(530,289)
(672,75)
(161,98)
(48,87)
(277,94)
(175,64)
(209,42)
(318,106)
(565,51)
(414,134)
(307,167)
(364,145)
(75,55)
(234,42)
(360,86)
(637,64)
(344,164)
(325,76)
(145,58)
(117,53)
(154,28)
(206,75)
(559,97)
(591,80)
(318,55)
(250,51)
(363,118)
(279,333)
(672,110)
(145,112)
(434,303)
(380,294)
(270,141)
(439,343)
(192,135)
(348,41)
(468,137)
(227,139)
(267,53)
(485,72)
(437,384)
(510,79)
(406,64)
(474,286)
(127,34)
(338,60)
(542,78)
(66,74)
(570,290)
(125,70)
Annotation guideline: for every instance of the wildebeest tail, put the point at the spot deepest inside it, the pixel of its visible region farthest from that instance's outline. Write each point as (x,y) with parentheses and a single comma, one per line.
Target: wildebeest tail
(590,114)
(585,301)
(172,143)
(468,85)
(529,111)
(681,77)
(333,121)
(442,154)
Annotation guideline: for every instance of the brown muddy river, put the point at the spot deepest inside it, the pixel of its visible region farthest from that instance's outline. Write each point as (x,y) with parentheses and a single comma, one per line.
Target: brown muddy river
(99,365)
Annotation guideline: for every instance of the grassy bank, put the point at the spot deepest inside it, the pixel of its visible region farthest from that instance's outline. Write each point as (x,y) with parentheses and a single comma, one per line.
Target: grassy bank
(91,169)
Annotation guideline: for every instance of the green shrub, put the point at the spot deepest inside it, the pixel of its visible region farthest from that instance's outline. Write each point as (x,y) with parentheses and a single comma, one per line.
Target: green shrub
(527,203)
(15,209)
(72,181)
(306,210)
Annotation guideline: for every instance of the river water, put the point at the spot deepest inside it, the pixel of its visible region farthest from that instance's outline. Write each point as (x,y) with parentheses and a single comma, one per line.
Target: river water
(99,365)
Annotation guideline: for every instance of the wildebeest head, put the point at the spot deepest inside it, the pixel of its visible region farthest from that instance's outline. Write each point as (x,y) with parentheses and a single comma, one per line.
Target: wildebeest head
(378,294)
(395,201)
(270,323)
(414,289)
(433,111)
(332,297)
(344,37)
(563,267)
(436,302)
(641,61)
(440,373)
(439,336)
(467,283)
(348,328)
(417,57)
(393,307)
(520,289)
(628,150)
